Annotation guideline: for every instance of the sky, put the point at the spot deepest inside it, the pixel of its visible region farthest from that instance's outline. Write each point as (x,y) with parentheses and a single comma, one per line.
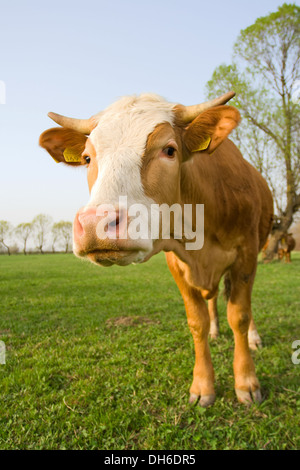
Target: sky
(75,58)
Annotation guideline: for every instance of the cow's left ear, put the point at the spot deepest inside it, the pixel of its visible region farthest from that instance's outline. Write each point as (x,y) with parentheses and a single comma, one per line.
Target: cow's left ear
(64,145)
(208,130)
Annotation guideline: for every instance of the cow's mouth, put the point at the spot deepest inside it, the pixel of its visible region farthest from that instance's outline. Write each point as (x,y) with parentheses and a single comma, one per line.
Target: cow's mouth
(110,252)
(109,257)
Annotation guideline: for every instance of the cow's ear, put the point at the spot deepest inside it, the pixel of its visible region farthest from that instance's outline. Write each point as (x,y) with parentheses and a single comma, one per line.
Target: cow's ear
(210,128)
(64,145)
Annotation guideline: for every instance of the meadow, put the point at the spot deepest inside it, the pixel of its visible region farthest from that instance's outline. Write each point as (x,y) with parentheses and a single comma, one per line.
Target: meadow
(102,358)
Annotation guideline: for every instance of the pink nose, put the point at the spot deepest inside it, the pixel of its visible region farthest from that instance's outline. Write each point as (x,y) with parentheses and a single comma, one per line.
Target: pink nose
(88,220)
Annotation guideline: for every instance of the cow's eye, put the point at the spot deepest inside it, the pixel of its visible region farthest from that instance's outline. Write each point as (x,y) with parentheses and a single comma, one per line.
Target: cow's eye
(87,159)
(169,151)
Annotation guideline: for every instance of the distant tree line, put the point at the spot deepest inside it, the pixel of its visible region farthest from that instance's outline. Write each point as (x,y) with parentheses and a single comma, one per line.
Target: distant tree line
(41,233)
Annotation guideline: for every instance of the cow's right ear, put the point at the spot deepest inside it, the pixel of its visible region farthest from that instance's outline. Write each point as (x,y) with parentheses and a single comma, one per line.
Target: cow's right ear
(64,145)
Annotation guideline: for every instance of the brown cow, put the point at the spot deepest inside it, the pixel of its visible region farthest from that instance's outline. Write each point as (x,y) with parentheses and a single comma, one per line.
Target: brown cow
(143,151)
(286,244)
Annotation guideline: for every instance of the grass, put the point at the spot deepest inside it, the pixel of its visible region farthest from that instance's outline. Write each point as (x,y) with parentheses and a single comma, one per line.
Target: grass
(102,359)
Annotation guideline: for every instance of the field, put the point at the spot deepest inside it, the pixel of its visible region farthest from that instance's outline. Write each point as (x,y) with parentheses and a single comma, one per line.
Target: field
(102,358)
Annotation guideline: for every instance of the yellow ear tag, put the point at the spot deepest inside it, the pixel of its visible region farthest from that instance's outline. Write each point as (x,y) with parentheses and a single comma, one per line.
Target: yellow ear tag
(204,145)
(70,156)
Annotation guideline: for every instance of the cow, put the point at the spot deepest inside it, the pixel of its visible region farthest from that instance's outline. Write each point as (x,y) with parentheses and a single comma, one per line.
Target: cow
(286,244)
(143,150)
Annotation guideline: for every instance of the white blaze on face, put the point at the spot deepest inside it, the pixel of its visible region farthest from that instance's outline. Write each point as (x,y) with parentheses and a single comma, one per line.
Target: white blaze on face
(119,140)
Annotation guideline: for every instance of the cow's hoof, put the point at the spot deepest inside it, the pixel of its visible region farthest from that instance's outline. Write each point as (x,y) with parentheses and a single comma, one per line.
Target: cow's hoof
(254,340)
(214,330)
(193,398)
(205,400)
(213,336)
(247,398)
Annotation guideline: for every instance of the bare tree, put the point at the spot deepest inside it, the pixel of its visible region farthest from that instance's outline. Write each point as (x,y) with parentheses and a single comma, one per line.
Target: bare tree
(23,231)
(41,225)
(55,236)
(63,231)
(5,231)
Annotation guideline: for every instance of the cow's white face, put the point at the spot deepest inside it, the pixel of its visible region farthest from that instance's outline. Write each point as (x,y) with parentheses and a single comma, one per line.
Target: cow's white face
(134,155)
(117,146)
(119,141)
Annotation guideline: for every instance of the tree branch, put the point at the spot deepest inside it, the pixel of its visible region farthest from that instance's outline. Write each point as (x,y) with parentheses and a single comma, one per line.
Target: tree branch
(265,129)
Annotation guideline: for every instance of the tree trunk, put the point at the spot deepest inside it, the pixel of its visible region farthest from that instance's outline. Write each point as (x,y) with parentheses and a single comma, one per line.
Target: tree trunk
(272,246)
(7,247)
(276,234)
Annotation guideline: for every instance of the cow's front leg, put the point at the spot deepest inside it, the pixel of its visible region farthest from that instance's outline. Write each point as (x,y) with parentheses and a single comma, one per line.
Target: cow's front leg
(199,324)
(198,321)
(239,315)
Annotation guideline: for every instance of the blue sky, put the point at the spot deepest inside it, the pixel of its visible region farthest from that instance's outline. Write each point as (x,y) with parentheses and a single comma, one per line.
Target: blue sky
(75,58)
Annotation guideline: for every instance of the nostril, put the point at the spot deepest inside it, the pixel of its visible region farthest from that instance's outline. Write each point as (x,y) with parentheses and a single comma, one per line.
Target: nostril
(115,222)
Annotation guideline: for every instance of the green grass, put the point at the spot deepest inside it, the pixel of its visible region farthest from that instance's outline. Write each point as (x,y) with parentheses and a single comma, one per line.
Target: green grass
(102,358)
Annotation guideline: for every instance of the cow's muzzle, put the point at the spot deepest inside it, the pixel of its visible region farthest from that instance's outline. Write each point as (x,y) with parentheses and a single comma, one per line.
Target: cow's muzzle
(100,234)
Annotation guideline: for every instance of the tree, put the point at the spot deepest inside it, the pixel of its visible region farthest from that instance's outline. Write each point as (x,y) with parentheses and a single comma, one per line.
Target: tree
(265,73)
(55,236)
(63,230)
(23,231)
(41,227)
(5,231)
